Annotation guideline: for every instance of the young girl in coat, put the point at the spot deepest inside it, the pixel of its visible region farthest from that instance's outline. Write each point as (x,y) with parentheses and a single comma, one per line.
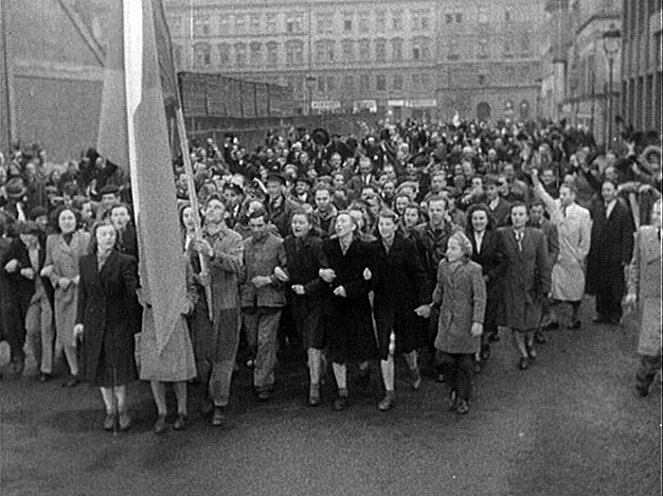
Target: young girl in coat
(460,294)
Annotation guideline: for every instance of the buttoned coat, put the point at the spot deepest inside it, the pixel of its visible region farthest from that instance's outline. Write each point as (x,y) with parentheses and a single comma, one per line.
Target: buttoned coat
(645,281)
(525,277)
(261,257)
(401,285)
(461,294)
(611,248)
(64,259)
(490,260)
(107,307)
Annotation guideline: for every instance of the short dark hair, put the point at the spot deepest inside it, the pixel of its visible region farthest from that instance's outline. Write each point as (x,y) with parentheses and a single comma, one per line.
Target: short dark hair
(437,198)
(537,202)
(517,203)
(257,213)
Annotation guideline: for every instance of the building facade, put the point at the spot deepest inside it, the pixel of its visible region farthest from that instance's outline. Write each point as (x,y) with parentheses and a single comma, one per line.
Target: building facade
(405,57)
(641,64)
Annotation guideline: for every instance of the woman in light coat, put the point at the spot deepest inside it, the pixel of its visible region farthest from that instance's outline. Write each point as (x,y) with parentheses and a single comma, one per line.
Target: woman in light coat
(644,287)
(63,251)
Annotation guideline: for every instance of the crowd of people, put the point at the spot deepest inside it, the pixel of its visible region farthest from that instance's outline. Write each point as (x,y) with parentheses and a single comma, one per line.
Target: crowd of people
(423,239)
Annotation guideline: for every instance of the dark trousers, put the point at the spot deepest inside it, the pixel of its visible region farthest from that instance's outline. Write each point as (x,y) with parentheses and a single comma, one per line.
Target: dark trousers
(609,298)
(458,369)
(649,365)
(489,322)
(14,312)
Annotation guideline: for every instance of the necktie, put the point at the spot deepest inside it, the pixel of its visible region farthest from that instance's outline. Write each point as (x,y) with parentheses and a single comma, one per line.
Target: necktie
(519,239)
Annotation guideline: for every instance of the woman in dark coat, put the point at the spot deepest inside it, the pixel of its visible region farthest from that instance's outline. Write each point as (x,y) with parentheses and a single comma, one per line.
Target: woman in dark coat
(305,258)
(400,284)
(347,310)
(485,252)
(105,312)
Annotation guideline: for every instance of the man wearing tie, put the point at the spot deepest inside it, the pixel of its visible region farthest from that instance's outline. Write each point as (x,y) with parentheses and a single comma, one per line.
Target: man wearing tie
(609,253)
(525,274)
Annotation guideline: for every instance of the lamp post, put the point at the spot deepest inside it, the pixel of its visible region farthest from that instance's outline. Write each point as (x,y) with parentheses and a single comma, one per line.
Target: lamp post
(611,45)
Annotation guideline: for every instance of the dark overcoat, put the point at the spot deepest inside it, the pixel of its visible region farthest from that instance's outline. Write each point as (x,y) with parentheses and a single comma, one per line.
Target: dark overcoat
(525,277)
(611,249)
(347,320)
(401,284)
(490,260)
(305,258)
(107,307)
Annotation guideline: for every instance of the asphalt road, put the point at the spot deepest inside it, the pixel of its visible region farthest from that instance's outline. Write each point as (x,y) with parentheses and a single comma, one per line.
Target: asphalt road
(571,425)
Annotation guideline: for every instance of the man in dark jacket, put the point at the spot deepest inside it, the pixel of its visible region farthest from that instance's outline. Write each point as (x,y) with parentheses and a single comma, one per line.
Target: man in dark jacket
(610,251)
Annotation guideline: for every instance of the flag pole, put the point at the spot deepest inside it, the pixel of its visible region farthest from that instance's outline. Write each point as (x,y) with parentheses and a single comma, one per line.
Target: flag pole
(191,186)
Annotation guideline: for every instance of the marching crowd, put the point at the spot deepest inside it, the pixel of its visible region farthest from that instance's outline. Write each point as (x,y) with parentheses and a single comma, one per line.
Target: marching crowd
(426,240)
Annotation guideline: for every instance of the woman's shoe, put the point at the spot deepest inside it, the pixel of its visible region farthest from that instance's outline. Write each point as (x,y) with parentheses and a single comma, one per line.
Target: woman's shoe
(341,403)
(124,421)
(45,377)
(453,401)
(73,381)
(476,367)
(109,421)
(219,416)
(523,363)
(314,396)
(416,379)
(387,402)
(463,407)
(181,422)
(160,425)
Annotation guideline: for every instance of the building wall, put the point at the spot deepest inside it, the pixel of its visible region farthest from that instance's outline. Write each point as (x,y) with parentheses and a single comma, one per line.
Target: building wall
(404,56)
(55,76)
(641,76)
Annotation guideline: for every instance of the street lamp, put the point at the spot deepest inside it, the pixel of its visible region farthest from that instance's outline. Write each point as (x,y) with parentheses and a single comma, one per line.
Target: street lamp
(611,45)
(310,84)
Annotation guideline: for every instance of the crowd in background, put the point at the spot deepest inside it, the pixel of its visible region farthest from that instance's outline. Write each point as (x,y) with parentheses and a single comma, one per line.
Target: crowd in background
(411,238)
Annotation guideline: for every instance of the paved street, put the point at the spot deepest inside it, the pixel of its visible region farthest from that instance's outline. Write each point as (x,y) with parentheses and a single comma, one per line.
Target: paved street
(571,425)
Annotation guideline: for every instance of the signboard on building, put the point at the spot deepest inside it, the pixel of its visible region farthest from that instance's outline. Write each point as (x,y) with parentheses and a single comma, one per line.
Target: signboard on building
(421,103)
(325,105)
(370,105)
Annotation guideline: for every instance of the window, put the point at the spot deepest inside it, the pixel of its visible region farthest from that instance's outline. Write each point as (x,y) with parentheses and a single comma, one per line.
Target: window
(420,49)
(255,23)
(397,49)
(507,15)
(396,20)
(347,22)
(202,26)
(363,18)
(272,53)
(459,17)
(321,84)
(240,23)
(482,15)
(421,20)
(224,54)
(294,52)
(482,49)
(324,51)
(349,83)
(294,23)
(348,48)
(380,50)
(398,82)
(453,50)
(482,79)
(331,83)
(380,21)
(272,20)
(508,47)
(449,18)
(364,82)
(364,50)
(175,25)
(202,57)
(380,83)
(525,44)
(319,51)
(225,26)
(256,54)
(240,54)
(325,23)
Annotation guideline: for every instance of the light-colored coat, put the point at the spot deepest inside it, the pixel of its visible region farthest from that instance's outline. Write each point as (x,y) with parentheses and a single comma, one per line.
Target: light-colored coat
(63,258)
(574,230)
(645,281)
(461,292)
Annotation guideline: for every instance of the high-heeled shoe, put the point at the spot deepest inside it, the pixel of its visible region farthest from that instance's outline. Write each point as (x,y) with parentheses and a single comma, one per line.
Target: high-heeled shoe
(124,421)
(109,421)
(463,407)
(387,402)
(181,422)
(160,425)
(416,379)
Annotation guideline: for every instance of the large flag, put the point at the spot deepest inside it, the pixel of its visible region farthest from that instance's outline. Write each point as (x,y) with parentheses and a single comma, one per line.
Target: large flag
(133,133)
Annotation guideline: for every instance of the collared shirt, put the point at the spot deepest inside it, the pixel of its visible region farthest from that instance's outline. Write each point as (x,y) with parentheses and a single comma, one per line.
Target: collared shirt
(478,238)
(520,234)
(494,203)
(609,207)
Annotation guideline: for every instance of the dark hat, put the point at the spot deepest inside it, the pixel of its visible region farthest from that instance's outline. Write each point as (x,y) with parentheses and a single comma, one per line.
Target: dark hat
(15,188)
(109,189)
(38,211)
(385,134)
(275,176)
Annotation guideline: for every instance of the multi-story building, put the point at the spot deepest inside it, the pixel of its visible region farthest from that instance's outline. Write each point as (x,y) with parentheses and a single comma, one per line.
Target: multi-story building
(409,57)
(641,64)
